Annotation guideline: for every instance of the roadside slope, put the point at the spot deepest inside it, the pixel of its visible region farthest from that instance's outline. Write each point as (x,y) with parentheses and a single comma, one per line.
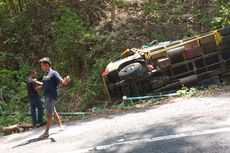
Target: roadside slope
(112,133)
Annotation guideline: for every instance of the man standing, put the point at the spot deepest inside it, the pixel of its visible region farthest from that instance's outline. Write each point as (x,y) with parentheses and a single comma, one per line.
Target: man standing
(51,81)
(35,99)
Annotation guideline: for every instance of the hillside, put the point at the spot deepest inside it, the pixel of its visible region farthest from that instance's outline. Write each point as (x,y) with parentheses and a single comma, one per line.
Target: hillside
(82,37)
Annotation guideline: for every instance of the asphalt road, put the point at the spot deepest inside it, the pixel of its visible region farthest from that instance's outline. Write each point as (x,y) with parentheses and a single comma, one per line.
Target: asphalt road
(195,125)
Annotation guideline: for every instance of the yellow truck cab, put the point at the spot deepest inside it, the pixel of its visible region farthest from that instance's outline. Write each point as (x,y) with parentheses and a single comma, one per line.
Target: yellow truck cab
(168,65)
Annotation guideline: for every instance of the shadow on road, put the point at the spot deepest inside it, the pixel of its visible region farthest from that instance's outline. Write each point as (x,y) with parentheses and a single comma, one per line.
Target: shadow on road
(52,140)
(33,141)
(132,142)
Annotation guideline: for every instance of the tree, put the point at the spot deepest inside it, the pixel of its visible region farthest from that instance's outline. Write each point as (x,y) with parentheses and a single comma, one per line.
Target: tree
(113,11)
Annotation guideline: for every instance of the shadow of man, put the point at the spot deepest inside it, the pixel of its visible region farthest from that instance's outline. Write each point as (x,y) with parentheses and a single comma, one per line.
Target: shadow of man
(52,140)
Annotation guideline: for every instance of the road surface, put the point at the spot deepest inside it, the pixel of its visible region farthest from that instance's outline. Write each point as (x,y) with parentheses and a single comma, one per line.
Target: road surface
(194,125)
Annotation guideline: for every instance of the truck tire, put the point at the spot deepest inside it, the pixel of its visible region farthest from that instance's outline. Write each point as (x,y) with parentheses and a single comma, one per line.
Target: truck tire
(131,70)
(225,31)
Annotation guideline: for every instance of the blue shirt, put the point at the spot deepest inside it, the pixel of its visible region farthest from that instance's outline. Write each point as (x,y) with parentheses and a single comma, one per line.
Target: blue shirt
(51,82)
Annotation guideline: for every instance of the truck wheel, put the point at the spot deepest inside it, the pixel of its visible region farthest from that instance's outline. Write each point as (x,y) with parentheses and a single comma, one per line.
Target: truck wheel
(225,31)
(131,70)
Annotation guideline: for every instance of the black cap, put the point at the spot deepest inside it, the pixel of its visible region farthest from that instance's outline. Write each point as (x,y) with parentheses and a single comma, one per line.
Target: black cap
(45,60)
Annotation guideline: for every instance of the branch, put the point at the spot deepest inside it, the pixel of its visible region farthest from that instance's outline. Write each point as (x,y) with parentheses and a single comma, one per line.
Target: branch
(1,96)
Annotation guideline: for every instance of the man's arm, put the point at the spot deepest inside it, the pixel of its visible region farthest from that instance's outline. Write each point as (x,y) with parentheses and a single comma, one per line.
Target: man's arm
(37,82)
(37,85)
(65,81)
(39,88)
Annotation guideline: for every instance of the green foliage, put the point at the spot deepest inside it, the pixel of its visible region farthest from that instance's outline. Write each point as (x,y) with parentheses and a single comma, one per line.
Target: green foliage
(69,35)
(7,78)
(96,80)
(223,18)
(82,92)
(121,3)
(13,92)
(65,33)
(155,9)
(42,30)
(185,91)
(27,34)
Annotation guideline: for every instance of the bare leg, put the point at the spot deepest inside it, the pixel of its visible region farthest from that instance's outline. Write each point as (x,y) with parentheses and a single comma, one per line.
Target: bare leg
(48,124)
(57,119)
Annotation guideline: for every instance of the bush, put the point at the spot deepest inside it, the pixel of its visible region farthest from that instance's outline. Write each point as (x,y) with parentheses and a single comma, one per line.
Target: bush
(82,92)
(96,79)
(223,18)
(13,92)
(69,37)
(121,3)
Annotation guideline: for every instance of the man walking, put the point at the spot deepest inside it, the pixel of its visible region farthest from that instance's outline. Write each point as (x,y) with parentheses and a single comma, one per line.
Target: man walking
(35,99)
(51,81)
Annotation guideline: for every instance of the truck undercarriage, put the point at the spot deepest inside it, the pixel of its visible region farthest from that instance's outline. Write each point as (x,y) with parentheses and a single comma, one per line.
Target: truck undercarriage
(169,65)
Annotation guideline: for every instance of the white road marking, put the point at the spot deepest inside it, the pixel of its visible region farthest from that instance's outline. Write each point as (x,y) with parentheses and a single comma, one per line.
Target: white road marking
(155,139)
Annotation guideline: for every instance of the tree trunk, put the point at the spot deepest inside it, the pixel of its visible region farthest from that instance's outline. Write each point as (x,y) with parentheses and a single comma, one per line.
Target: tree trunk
(113,11)
(20,5)
(150,2)
(12,7)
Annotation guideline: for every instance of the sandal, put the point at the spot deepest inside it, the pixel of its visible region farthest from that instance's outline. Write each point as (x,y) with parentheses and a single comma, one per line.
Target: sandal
(44,135)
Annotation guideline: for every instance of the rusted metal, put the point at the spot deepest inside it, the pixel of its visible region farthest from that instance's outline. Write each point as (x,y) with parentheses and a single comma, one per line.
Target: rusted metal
(174,64)
(226,77)
(176,54)
(188,80)
(209,47)
(106,88)
(163,62)
(207,40)
(192,44)
(162,51)
(175,51)
(191,53)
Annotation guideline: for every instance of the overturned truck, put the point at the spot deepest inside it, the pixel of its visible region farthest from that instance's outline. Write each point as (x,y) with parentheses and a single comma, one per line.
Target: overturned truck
(168,65)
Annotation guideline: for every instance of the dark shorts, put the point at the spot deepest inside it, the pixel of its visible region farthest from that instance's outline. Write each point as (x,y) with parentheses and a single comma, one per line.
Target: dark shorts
(50,105)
